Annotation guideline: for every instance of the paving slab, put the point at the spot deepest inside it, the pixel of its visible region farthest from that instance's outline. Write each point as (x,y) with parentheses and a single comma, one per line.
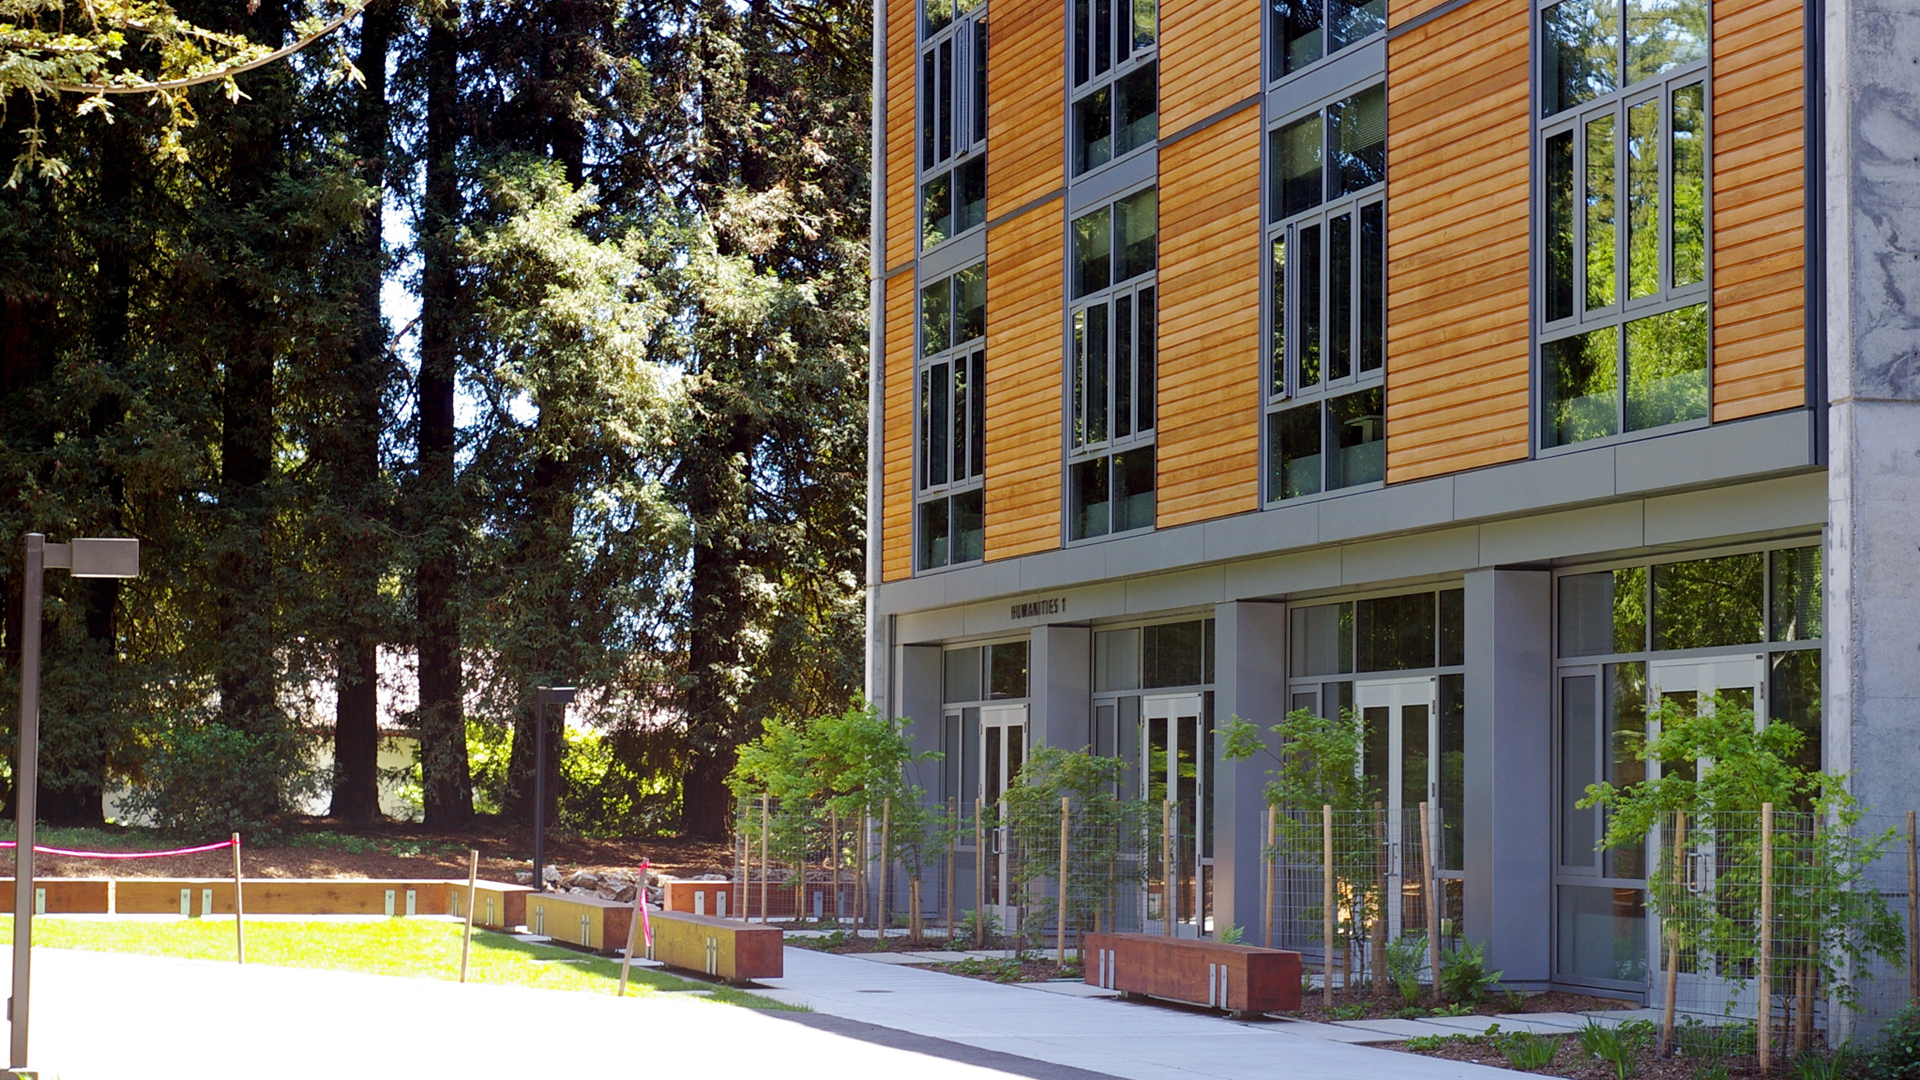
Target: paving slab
(1336,1033)
(1408,1029)
(1069,988)
(1115,1038)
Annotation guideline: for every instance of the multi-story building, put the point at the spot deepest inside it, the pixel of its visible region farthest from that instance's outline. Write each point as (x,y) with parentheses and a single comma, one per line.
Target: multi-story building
(1491,368)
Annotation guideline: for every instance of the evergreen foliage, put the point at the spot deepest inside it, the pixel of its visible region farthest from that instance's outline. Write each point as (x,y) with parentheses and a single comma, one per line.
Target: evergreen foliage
(622,447)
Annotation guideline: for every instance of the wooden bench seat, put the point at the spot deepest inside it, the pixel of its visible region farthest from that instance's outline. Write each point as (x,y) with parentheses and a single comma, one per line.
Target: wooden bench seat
(280,896)
(719,898)
(1238,978)
(499,905)
(735,951)
(66,896)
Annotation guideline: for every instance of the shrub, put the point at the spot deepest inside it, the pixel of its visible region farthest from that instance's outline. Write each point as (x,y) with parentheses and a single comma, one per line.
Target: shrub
(207,780)
(1814,1065)
(1896,1056)
(1464,975)
(1405,956)
(1528,1052)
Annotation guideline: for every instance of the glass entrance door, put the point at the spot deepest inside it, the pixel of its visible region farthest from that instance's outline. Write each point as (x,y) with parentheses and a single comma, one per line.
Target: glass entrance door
(1173,766)
(1399,718)
(1694,685)
(1003,749)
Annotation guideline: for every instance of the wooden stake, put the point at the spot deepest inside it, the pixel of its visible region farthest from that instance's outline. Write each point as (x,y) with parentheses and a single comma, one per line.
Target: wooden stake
(1433,902)
(1273,816)
(1377,932)
(979,875)
(1060,932)
(833,855)
(1169,899)
(239,907)
(1766,938)
(886,868)
(766,815)
(1326,903)
(1673,932)
(913,909)
(466,935)
(953,841)
(1913,911)
(633,927)
(860,873)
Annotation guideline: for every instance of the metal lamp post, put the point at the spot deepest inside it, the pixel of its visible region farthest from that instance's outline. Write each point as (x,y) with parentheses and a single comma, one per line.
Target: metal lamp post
(85,559)
(543,696)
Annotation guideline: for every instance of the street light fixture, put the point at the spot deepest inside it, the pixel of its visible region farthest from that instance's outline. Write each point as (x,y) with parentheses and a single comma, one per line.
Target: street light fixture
(543,696)
(89,558)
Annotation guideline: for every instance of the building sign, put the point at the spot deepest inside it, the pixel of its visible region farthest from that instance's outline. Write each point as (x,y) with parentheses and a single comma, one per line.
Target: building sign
(1033,609)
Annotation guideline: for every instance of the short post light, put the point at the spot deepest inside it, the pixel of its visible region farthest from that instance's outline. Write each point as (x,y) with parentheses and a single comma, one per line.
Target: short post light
(543,696)
(91,558)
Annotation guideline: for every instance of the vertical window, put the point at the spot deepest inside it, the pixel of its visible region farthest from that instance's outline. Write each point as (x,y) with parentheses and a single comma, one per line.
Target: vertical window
(1116,86)
(950,504)
(1623,311)
(1110,470)
(953,118)
(1326,282)
(1304,31)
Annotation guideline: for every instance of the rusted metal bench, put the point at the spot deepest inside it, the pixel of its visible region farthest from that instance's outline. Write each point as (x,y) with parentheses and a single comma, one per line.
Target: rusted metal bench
(1237,978)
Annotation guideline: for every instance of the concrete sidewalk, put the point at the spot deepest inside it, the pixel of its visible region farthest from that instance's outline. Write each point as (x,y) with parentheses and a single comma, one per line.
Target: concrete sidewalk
(108,1016)
(1100,1035)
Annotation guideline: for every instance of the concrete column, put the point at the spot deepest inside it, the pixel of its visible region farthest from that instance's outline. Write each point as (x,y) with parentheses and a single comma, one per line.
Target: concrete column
(1872,269)
(1060,686)
(1250,681)
(917,674)
(1508,846)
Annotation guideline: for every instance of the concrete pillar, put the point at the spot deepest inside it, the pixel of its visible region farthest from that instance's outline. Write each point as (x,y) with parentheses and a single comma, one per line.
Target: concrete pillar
(1872,269)
(1871,250)
(1250,681)
(1508,846)
(917,678)
(1060,686)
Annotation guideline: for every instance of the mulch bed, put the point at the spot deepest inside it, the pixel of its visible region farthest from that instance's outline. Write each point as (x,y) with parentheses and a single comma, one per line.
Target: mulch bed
(321,848)
(1349,1005)
(1576,1064)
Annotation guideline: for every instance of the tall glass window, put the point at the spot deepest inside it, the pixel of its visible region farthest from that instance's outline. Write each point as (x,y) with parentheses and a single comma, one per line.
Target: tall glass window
(951,390)
(1746,625)
(1623,275)
(1116,86)
(1302,32)
(1326,287)
(953,118)
(1110,465)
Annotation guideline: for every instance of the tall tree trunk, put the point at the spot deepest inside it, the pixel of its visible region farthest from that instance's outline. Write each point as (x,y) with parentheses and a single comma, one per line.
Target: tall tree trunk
(356,718)
(448,782)
(719,482)
(77,799)
(717,616)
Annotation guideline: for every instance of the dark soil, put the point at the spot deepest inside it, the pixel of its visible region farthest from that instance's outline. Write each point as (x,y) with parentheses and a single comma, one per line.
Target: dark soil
(321,848)
(1576,1064)
(1349,1005)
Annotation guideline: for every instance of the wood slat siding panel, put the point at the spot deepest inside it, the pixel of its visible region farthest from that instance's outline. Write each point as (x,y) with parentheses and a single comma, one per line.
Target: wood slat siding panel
(1399,11)
(1759,207)
(1026,111)
(1209,376)
(896,482)
(1458,375)
(902,16)
(1025,371)
(1209,59)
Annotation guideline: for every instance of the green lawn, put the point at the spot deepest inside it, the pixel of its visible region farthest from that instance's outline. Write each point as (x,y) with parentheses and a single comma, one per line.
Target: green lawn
(409,948)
